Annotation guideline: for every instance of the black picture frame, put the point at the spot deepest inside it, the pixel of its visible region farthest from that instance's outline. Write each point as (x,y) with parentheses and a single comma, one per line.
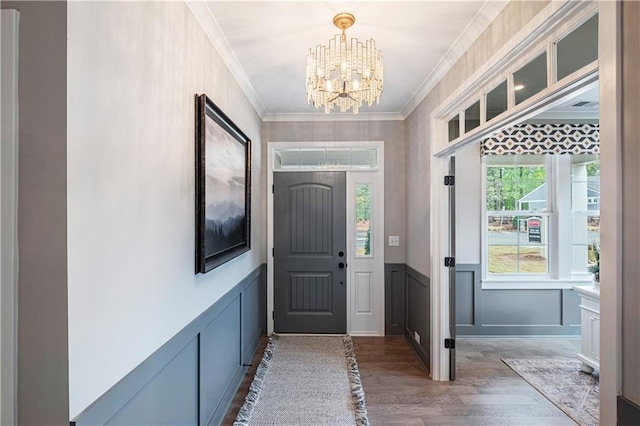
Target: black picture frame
(223,187)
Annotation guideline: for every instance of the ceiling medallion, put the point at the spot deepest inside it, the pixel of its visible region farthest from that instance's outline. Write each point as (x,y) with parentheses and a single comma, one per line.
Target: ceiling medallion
(344,74)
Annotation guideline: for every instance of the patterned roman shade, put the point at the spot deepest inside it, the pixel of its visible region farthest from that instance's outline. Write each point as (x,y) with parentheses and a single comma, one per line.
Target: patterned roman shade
(540,139)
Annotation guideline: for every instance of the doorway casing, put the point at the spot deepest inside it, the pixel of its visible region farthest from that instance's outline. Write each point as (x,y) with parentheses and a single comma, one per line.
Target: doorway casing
(377,296)
(551,24)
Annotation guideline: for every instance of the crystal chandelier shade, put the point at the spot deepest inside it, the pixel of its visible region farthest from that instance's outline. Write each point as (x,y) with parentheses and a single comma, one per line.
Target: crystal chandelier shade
(344,74)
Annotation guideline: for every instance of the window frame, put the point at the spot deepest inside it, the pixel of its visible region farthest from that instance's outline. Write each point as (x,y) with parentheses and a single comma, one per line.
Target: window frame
(458,102)
(549,212)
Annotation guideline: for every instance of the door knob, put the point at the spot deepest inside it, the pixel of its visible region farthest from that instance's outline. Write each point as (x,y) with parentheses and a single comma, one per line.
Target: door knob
(341,265)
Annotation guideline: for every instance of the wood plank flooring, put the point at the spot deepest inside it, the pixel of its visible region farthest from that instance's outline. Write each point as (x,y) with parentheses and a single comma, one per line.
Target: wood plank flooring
(243,389)
(486,392)
(399,392)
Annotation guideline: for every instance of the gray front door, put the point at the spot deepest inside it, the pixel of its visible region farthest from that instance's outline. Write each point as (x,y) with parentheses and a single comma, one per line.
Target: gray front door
(310,278)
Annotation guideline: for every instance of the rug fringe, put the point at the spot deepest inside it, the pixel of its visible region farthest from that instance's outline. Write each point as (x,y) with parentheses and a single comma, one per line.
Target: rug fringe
(357,392)
(244,415)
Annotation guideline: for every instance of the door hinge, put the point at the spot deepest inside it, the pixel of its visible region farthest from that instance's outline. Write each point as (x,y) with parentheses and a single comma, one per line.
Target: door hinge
(273,252)
(273,189)
(450,262)
(449,180)
(273,315)
(449,343)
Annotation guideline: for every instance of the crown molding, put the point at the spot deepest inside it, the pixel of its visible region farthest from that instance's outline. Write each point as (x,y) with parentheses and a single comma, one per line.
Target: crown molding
(203,14)
(480,22)
(381,116)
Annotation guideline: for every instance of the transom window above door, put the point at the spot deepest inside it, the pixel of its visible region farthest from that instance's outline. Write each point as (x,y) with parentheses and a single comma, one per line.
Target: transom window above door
(568,54)
(347,158)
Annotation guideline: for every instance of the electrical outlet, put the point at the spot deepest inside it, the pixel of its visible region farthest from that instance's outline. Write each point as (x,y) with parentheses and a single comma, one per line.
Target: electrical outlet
(416,336)
(394,241)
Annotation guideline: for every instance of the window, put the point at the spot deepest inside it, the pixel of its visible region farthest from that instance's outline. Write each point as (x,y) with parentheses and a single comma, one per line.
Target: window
(542,214)
(531,78)
(578,49)
(454,128)
(517,214)
(497,101)
(472,117)
(585,210)
(325,158)
(363,220)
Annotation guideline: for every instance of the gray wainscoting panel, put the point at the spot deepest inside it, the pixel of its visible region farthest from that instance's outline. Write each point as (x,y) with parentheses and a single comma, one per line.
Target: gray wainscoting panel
(254,316)
(628,412)
(220,358)
(394,299)
(153,405)
(468,299)
(465,297)
(516,307)
(512,312)
(192,378)
(570,308)
(418,314)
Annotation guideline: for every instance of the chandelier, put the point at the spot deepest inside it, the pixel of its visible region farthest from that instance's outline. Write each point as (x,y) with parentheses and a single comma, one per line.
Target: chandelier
(344,74)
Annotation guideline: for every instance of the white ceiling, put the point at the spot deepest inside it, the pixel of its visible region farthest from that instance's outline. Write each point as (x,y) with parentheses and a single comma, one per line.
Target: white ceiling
(265,44)
(576,106)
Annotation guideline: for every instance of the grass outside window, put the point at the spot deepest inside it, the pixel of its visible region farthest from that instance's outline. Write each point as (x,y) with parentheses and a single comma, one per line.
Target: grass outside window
(511,259)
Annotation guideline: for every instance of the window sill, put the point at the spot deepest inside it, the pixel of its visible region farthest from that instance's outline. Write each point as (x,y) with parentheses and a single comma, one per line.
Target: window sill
(533,283)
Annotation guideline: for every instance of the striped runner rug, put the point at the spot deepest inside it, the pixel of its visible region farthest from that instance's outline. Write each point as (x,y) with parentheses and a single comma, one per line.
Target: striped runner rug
(306,380)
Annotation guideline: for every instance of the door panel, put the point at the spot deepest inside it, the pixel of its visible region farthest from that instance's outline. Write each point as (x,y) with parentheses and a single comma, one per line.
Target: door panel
(310,252)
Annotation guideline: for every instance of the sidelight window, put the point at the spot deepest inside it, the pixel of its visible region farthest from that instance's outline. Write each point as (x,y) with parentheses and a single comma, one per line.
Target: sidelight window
(364,220)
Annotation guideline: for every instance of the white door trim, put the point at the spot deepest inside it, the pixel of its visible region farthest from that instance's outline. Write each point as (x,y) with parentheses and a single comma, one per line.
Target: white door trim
(611,130)
(271,150)
(9,218)
(439,212)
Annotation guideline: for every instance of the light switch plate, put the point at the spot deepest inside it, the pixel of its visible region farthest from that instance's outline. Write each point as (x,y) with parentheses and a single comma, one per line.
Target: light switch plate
(394,241)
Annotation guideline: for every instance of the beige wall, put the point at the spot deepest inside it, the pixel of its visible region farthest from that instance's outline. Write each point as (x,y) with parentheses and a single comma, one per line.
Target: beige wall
(42,213)
(133,71)
(468,204)
(514,16)
(391,132)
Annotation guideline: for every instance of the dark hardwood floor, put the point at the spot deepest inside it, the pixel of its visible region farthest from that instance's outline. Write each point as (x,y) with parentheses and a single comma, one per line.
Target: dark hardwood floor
(398,391)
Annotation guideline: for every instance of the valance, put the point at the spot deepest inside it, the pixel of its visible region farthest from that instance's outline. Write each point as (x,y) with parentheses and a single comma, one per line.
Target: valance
(540,139)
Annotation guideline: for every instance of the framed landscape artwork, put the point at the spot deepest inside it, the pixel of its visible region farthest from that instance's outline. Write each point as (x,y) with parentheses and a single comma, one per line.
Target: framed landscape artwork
(223,187)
